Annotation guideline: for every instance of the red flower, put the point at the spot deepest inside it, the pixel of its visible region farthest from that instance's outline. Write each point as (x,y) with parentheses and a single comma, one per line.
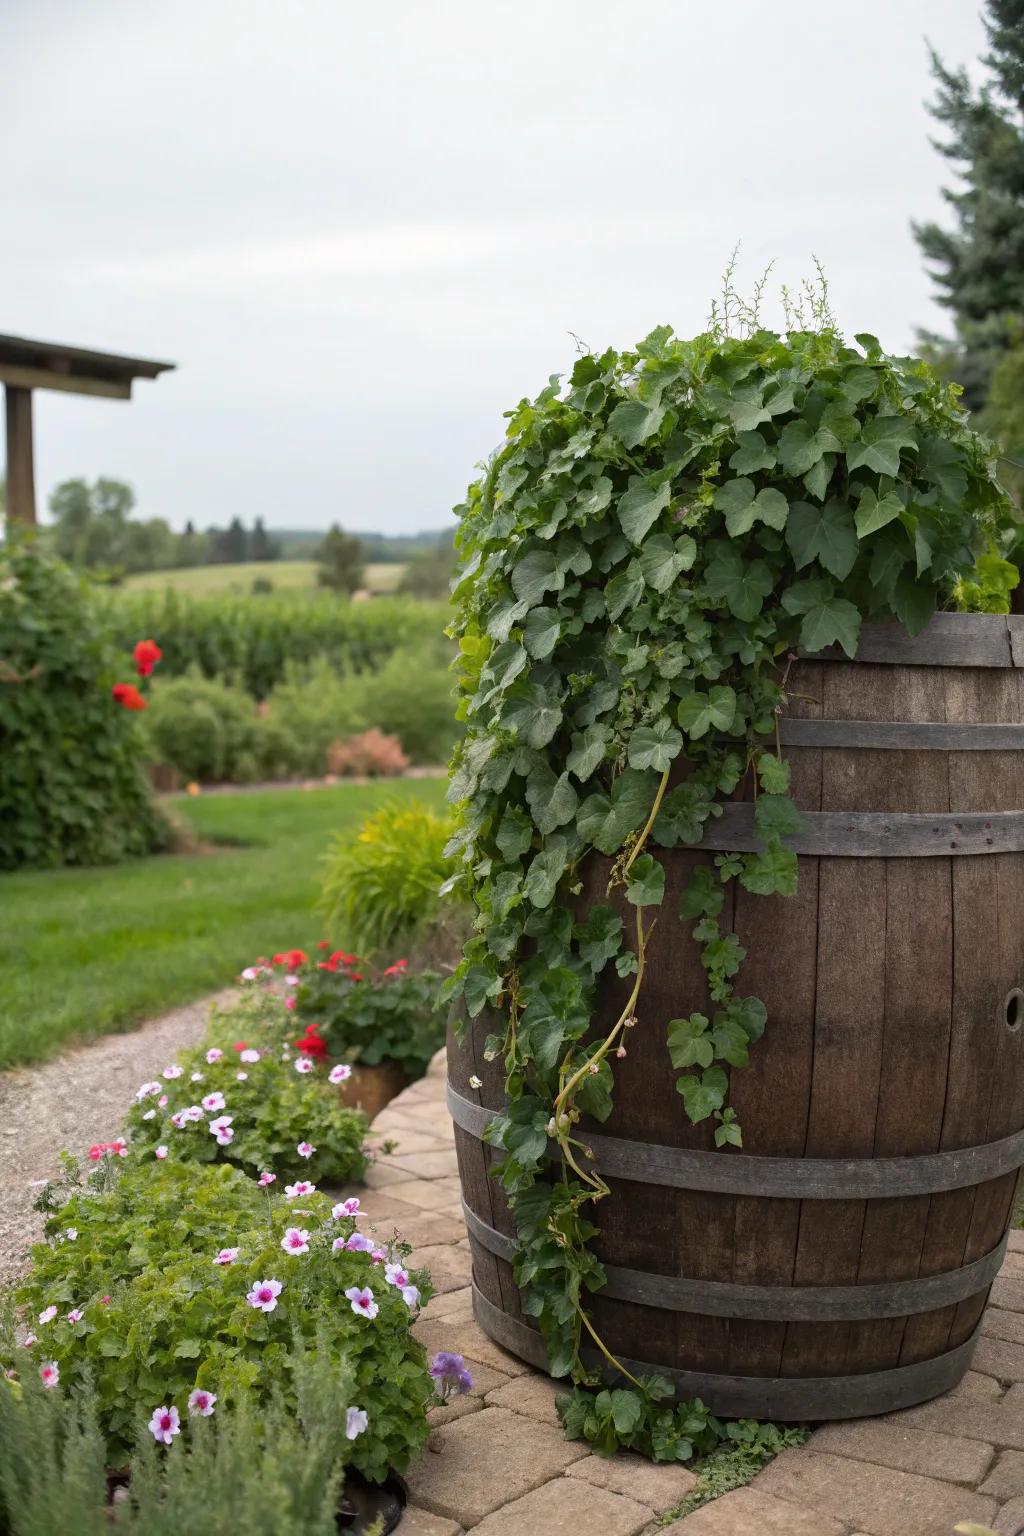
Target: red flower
(311,1044)
(128,696)
(291,958)
(396,969)
(324,944)
(240,1045)
(147,654)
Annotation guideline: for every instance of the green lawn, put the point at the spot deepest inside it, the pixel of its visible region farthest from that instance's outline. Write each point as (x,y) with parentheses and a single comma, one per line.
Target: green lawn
(88,952)
(285,575)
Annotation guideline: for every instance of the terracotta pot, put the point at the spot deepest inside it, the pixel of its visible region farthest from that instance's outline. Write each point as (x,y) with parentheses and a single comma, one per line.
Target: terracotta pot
(372,1088)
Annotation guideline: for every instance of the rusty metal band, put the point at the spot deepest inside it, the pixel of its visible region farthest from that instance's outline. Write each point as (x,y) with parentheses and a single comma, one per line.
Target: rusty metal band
(949,640)
(780,1178)
(898,735)
(874,834)
(777,1303)
(764,1397)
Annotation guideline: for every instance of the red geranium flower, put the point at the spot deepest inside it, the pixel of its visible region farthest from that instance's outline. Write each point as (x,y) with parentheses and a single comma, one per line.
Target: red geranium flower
(147,654)
(291,958)
(396,969)
(311,1044)
(240,1045)
(128,696)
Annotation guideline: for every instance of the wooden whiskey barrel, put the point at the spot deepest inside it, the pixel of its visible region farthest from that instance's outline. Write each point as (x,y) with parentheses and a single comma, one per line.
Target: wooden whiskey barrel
(838,1264)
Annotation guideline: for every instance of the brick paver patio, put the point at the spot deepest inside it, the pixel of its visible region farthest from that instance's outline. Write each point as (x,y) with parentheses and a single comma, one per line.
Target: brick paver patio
(498,1464)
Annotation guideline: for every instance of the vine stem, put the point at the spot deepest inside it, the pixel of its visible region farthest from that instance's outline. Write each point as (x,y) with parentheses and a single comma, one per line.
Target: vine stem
(616,1365)
(627,1013)
(655,808)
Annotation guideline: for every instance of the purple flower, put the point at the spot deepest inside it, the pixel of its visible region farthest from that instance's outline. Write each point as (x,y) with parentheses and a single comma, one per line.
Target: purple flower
(450,1373)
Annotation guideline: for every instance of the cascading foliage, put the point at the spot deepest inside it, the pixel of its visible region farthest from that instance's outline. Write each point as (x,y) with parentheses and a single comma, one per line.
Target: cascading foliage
(639,562)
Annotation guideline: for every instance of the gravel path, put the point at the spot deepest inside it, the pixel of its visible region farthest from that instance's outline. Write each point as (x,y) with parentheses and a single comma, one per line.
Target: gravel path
(71,1102)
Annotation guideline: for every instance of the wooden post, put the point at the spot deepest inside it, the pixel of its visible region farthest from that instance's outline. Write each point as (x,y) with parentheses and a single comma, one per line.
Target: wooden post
(21,489)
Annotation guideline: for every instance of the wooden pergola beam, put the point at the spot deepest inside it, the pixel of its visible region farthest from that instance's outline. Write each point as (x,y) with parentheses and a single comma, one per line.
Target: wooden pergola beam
(26,365)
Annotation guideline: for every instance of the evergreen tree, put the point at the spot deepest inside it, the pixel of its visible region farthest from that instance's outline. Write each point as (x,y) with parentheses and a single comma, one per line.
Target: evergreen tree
(340,557)
(979,264)
(261,545)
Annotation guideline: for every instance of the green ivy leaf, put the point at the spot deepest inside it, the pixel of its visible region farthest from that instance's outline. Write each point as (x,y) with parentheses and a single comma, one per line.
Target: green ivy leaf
(645,883)
(600,937)
(873,512)
(625,590)
(689,1042)
(654,746)
(773,774)
(535,574)
(752,454)
(776,816)
(514,835)
(741,584)
(545,871)
(633,422)
(704,1094)
(541,631)
(833,622)
(800,447)
(588,751)
(552,800)
(879,444)
(826,534)
(663,559)
(773,872)
(743,509)
(641,506)
(699,713)
(607,820)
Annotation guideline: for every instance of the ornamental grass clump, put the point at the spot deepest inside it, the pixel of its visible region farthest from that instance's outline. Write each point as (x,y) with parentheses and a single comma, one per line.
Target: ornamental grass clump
(647,550)
(177,1290)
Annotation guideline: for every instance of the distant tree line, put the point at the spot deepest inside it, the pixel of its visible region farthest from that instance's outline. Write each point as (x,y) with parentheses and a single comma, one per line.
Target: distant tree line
(93,527)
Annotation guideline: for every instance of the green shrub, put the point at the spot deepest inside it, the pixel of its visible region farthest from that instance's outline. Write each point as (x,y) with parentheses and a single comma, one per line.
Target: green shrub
(72,790)
(251,640)
(412,697)
(386,1016)
(272,1110)
(278,1476)
(160,1318)
(313,708)
(381,888)
(205,728)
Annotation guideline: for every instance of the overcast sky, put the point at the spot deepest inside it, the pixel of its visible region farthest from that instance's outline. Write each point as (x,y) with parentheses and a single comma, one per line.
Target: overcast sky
(363,231)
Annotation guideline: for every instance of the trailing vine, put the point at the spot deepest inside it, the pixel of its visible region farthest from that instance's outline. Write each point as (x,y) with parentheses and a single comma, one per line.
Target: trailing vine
(640,561)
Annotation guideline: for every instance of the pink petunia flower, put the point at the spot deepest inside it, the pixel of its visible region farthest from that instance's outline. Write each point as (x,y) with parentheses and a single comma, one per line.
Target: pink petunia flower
(120,1146)
(150,1114)
(289,1002)
(197,1077)
(363,1304)
(411,1296)
(179,1120)
(345,1208)
(75,1315)
(162,1101)
(30,1339)
(299,1190)
(201,1403)
(357,1243)
(213,1054)
(171,1072)
(378,1256)
(249,1055)
(227,1255)
(164,1425)
(49,1375)
(265,1178)
(213,1101)
(160,1153)
(242,1077)
(264,1294)
(295,1240)
(303,1064)
(48,1314)
(394,1274)
(71,1234)
(339,1074)
(146,1091)
(221,1124)
(355,1422)
(304,1149)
